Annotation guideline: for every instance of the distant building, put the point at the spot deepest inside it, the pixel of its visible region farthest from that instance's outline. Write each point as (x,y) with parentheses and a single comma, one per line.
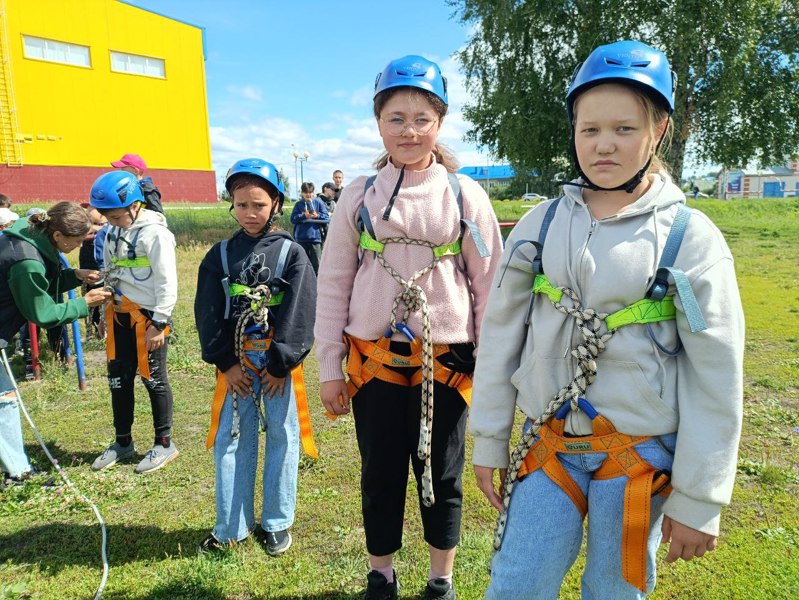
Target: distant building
(489,176)
(83,82)
(772,182)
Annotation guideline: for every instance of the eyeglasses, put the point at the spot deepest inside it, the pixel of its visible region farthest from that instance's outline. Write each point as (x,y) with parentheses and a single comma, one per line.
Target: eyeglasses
(398,125)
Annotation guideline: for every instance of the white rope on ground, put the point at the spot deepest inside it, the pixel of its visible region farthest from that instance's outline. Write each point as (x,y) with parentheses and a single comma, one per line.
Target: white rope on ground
(415,300)
(62,473)
(589,322)
(257,311)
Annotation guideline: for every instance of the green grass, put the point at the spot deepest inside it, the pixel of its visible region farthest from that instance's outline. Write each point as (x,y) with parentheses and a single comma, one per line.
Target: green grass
(49,542)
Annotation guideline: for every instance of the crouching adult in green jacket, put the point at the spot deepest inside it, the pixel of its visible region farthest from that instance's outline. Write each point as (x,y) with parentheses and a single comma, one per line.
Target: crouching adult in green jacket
(31,280)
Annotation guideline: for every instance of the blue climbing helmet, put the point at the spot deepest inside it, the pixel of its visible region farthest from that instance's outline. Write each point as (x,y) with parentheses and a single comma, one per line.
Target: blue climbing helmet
(117,189)
(413,71)
(260,168)
(629,62)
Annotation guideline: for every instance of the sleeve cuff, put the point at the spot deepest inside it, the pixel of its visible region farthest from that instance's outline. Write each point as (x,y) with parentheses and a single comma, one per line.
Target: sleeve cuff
(696,514)
(330,368)
(490,452)
(224,365)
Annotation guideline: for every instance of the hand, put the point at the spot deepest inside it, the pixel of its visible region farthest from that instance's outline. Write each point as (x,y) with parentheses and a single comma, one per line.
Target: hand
(272,384)
(238,382)
(154,338)
(685,542)
(485,481)
(87,275)
(335,397)
(96,297)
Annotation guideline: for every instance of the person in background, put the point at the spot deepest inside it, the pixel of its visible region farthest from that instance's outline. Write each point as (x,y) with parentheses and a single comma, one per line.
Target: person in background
(5,201)
(88,260)
(328,196)
(338,180)
(309,215)
(7,217)
(133,163)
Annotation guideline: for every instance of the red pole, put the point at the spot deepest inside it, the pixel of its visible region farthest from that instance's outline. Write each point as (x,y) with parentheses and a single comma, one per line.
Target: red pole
(33,337)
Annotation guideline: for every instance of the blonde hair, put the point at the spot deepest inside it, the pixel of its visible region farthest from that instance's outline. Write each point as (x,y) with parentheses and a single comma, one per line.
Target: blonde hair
(444,155)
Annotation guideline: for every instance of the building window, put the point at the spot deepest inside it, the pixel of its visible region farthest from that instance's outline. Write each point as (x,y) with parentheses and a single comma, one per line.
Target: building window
(60,52)
(137,65)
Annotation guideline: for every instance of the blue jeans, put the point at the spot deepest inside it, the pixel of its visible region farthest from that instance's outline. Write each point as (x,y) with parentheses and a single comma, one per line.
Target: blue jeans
(12,450)
(544,531)
(237,460)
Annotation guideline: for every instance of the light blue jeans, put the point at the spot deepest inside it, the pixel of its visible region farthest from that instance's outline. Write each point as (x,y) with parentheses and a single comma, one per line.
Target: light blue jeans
(544,531)
(12,450)
(237,460)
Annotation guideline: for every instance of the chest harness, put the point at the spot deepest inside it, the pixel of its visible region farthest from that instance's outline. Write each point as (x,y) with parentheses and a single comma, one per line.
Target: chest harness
(424,355)
(256,314)
(530,454)
(139,321)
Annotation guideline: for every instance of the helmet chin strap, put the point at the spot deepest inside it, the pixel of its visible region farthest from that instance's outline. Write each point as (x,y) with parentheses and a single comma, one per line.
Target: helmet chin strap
(628,186)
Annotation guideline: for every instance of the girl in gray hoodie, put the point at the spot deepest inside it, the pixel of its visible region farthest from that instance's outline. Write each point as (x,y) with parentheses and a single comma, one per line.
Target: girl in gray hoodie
(626,358)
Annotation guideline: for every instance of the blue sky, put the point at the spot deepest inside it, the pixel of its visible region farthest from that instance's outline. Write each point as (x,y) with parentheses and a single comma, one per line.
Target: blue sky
(302,71)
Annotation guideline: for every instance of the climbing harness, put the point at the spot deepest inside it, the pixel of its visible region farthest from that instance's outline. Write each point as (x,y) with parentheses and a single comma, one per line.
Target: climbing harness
(597,329)
(6,365)
(132,260)
(424,354)
(254,318)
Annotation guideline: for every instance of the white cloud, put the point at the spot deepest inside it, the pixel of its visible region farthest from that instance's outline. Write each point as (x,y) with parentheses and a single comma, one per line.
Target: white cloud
(248,92)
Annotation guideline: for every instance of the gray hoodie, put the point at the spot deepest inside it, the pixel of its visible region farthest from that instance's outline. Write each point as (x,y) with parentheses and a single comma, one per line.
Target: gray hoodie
(155,287)
(610,264)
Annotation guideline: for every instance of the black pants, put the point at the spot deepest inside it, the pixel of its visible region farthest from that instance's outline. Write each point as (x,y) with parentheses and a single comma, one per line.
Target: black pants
(121,376)
(387,427)
(314,252)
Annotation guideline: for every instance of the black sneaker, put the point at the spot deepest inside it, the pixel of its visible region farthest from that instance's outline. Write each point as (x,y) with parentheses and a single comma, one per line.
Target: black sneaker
(439,589)
(211,545)
(378,587)
(275,542)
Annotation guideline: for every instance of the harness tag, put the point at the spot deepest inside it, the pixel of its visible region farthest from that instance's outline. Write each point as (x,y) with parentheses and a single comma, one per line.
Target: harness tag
(400,362)
(578,446)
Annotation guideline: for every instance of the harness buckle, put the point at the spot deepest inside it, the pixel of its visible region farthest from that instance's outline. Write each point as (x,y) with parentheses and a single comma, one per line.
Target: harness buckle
(665,484)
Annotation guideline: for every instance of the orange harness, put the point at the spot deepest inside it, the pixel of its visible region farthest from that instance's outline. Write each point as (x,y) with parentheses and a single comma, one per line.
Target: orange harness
(300,397)
(644,482)
(379,356)
(140,324)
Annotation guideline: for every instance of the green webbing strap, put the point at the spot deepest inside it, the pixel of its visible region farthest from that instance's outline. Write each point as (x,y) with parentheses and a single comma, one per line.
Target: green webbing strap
(131,263)
(448,249)
(367,242)
(237,289)
(643,311)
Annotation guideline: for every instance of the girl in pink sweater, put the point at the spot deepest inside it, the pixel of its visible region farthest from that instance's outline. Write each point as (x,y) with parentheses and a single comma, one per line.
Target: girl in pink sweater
(403,284)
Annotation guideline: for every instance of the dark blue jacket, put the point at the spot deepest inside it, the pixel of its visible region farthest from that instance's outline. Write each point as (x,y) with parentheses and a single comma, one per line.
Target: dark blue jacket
(309,232)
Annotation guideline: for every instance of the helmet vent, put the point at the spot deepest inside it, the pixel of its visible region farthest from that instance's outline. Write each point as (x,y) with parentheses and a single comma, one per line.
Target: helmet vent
(613,61)
(641,64)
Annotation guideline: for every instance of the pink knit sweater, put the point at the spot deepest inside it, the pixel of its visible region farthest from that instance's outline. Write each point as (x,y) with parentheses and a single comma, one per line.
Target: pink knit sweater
(358,300)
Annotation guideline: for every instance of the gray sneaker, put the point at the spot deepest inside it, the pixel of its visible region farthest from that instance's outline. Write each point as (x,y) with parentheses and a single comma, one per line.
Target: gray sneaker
(112,455)
(157,457)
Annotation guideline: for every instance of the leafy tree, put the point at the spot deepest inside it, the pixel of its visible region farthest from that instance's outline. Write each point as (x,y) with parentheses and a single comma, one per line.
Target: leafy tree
(736,61)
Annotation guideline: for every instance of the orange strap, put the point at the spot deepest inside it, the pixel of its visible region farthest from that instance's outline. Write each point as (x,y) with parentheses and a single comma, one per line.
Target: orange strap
(300,398)
(140,324)
(644,482)
(379,356)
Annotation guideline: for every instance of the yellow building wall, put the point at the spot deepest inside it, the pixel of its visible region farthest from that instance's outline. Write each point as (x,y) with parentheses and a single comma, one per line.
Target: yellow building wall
(78,116)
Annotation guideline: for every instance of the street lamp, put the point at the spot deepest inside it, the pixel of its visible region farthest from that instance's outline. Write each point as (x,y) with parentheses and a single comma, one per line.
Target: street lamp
(300,157)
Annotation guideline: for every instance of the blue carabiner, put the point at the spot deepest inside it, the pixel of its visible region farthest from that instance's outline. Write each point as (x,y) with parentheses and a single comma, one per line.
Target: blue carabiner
(403,328)
(582,404)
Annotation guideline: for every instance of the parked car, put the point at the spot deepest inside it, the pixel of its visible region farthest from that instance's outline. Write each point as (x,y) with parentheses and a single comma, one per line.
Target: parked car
(533,196)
